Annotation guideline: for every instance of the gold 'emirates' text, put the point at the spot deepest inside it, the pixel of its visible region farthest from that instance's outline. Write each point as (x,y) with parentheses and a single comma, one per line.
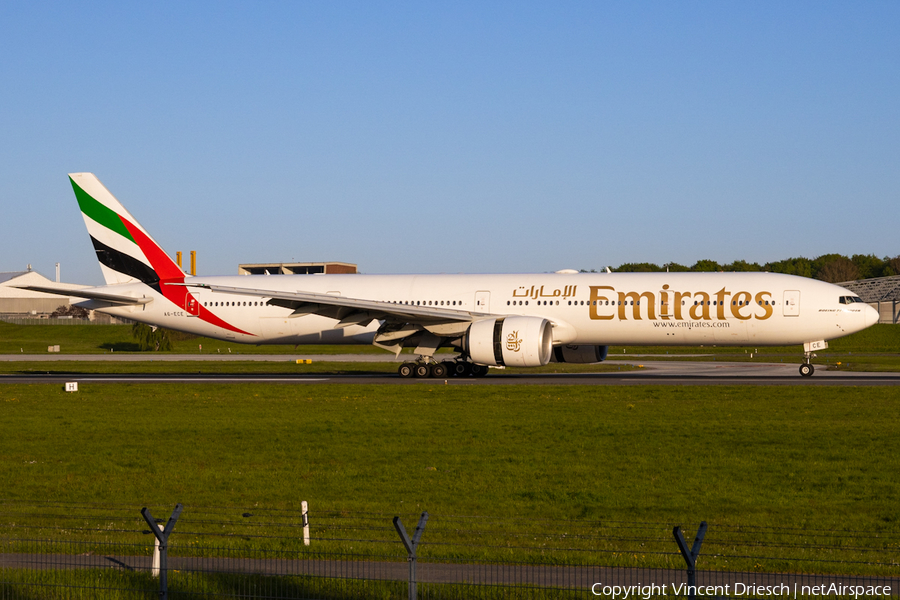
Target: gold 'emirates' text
(607,304)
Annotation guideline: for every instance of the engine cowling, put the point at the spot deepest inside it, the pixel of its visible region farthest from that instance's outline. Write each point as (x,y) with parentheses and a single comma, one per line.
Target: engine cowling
(510,341)
(568,353)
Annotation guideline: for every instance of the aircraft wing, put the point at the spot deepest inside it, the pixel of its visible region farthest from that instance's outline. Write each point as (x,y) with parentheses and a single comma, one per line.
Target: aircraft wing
(349,311)
(89,293)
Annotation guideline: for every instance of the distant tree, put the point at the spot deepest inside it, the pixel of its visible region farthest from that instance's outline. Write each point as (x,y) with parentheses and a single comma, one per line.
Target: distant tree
(637,268)
(676,268)
(706,266)
(742,265)
(868,265)
(819,262)
(151,338)
(834,268)
(791,266)
(891,266)
(838,269)
(70,310)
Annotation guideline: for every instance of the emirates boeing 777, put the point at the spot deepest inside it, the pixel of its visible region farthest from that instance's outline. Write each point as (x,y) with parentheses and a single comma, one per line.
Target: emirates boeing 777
(522,320)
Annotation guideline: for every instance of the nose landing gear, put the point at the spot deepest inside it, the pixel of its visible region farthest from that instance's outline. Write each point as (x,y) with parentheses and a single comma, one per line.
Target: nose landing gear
(807,368)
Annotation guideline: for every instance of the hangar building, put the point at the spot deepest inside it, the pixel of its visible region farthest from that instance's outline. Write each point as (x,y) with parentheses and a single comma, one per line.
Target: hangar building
(882,293)
(23,303)
(296,268)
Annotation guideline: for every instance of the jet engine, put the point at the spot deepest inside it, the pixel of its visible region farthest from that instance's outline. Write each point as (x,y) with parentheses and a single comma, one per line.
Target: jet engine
(579,354)
(510,341)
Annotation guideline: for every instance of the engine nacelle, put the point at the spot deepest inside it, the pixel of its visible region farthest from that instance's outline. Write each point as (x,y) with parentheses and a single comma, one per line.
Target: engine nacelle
(568,353)
(510,341)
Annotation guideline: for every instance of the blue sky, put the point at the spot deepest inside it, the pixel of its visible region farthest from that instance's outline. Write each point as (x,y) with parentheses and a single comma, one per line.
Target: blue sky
(454,137)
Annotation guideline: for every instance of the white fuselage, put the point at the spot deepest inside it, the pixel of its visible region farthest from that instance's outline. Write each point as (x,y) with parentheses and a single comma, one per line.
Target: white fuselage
(585,308)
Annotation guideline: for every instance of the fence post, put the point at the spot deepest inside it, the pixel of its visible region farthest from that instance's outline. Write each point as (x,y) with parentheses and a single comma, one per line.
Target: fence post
(411,546)
(162,539)
(154,564)
(690,556)
(304,510)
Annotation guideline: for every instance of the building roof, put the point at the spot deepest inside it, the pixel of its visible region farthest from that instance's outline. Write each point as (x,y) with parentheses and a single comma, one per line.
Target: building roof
(4,277)
(296,268)
(9,280)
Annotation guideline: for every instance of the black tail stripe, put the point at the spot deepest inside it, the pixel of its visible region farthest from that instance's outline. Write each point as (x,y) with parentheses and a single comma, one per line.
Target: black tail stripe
(127,265)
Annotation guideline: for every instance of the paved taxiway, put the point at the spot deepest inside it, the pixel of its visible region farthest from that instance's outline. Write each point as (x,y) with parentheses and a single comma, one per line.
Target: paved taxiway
(649,373)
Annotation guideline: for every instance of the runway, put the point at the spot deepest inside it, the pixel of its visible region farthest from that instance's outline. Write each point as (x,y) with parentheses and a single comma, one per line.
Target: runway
(647,373)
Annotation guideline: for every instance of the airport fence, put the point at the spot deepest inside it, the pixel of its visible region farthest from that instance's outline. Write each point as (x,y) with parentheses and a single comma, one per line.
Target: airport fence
(60,550)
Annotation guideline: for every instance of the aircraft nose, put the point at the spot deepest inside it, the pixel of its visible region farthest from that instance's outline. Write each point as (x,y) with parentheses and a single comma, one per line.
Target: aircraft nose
(871,316)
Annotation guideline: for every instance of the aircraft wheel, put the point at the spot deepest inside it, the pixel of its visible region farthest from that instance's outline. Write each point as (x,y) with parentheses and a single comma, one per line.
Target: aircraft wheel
(438,370)
(406,370)
(449,368)
(462,369)
(422,370)
(806,369)
(479,370)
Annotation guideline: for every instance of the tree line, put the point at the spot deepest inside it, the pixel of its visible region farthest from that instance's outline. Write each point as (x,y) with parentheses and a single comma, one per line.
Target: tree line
(833,268)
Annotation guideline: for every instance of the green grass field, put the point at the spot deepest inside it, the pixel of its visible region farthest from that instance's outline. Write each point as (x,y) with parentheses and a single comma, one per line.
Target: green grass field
(780,456)
(766,458)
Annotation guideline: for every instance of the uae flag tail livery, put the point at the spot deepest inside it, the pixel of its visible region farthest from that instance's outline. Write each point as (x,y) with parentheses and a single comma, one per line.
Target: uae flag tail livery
(127,254)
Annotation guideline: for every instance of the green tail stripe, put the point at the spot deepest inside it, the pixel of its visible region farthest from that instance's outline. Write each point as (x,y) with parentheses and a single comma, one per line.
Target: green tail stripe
(99,213)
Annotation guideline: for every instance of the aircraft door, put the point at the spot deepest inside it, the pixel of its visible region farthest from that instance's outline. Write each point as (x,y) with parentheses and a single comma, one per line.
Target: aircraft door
(791,304)
(192,306)
(483,301)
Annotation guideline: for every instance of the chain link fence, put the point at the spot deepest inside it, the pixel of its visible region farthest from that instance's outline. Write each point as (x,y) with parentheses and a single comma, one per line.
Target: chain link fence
(55,550)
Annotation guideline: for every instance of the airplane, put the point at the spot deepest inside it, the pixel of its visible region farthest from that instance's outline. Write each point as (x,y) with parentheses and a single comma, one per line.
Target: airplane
(520,320)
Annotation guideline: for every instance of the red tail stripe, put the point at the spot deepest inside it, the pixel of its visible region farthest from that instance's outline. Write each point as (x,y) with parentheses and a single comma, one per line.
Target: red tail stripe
(168,272)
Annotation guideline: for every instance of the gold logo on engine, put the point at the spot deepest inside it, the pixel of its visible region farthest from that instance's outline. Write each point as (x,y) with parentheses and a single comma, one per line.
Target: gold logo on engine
(513,343)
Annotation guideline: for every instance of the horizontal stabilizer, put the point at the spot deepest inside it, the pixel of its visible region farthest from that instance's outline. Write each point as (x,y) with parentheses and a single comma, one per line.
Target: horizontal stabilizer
(89,293)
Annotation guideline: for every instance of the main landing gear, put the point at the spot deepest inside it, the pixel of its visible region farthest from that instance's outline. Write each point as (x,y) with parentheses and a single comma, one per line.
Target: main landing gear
(438,370)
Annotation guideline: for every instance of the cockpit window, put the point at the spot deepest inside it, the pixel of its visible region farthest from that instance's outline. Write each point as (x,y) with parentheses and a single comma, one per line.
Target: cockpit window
(850,299)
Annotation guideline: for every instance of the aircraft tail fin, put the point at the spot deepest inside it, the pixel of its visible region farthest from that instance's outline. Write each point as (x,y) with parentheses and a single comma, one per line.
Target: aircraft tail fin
(126,252)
